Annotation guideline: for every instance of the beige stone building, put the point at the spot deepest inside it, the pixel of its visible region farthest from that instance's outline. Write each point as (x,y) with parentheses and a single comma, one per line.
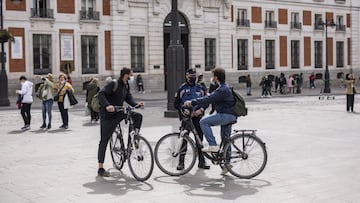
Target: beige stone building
(257,37)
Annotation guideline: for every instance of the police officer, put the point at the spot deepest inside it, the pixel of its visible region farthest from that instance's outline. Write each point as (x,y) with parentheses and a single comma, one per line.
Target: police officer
(187,91)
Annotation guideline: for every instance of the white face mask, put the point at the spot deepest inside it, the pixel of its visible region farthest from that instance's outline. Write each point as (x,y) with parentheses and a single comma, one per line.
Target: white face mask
(63,81)
(22,83)
(131,79)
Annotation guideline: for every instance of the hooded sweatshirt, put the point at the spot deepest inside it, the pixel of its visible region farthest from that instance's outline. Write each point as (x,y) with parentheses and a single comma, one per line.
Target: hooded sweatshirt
(26,92)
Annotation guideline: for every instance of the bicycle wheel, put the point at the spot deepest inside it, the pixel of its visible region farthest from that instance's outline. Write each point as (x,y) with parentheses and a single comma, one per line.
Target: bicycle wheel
(116,150)
(167,158)
(141,159)
(247,156)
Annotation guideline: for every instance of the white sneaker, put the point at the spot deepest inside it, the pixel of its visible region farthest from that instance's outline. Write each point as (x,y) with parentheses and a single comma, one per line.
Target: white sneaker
(225,170)
(215,148)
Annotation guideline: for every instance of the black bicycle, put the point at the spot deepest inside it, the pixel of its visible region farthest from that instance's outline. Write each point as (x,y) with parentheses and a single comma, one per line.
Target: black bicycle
(138,151)
(243,154)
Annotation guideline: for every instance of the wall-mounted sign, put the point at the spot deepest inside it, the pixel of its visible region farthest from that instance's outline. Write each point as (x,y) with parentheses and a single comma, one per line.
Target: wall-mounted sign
(17,48)
(67,51)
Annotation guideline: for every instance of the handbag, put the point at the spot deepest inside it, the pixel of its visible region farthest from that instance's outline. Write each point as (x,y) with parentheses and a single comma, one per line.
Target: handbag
(72,99)
(57,96)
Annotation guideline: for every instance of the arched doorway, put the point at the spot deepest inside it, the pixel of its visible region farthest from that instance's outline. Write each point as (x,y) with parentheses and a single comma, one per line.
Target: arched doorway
(184,40)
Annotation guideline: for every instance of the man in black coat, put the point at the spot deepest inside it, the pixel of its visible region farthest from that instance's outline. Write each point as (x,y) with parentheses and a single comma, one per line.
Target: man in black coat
(108,99)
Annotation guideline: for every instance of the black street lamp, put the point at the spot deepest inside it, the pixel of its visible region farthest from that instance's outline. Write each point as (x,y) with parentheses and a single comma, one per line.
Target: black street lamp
(175,61)
(327,74)
(4,94)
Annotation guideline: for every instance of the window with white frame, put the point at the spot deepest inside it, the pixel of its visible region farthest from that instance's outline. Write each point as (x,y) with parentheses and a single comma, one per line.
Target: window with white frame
(242,54)
(41,8)
(137,54)
(340,54)
(340,26)
(318,46)
(270,54)
(210,53)
(295,20)
(295,54)
(270,19)
(243,18)
(42,53)
(318,22)
(89,54)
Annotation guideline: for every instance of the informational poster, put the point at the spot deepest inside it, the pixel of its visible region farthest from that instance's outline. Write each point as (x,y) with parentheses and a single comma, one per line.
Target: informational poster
(257,48)
(67,51)
(17,48)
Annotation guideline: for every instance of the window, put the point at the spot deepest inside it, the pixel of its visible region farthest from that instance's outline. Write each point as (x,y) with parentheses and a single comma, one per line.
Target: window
(89,54)
(210,53)
(242,18)
(340,54)
(318,54)
(295,21)
(42,54)
(88,10)
(41,9)
(242,54)
(319,22)
(295,54)
(340,23)
(269,19)
(137,54)
(270,54)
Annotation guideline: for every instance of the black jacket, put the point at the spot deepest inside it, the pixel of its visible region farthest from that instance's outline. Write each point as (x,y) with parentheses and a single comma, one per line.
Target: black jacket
(108,97)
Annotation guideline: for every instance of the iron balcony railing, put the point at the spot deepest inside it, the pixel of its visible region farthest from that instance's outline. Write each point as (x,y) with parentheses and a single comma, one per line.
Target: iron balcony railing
(340,28)
(243,23)
(296,25)
(42,13)
(89,15)
(270,24)
(318,26)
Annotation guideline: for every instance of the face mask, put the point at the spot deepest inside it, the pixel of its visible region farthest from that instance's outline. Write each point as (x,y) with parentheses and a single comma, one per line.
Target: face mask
(63,81)
(212,81)
(131,79)
(22,83)
(192,80)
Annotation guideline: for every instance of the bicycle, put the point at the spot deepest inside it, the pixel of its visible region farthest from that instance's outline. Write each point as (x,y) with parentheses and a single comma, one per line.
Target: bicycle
(138,152)
(243,154)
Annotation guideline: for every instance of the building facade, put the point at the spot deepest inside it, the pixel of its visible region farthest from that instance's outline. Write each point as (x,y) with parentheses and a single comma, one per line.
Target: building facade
(99,37)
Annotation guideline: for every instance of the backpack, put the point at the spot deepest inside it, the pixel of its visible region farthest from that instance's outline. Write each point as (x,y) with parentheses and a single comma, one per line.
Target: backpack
(39,91)
(239,106)
(95,104)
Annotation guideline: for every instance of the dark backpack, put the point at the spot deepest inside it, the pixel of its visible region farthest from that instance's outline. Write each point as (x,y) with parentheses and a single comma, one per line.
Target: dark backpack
(239,106)
(95,104)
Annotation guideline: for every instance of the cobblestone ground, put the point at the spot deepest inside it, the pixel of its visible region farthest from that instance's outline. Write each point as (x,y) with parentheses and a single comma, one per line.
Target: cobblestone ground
(313,150)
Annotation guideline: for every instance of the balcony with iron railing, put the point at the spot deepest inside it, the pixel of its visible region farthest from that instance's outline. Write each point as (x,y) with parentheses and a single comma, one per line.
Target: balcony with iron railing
(243,23)
(340,27)
(318,26)
(42,13)
(89,15)
(340,1)
(270,24)
(296,25)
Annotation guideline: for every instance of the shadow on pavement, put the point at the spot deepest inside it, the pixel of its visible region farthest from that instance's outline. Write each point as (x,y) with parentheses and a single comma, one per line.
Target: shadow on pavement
(90,124)
(117,184)
(58,130)
(16,132)
(227,187)
(39,131)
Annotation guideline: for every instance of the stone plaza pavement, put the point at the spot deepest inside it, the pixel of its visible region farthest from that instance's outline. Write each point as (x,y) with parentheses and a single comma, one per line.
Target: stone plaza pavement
(313,156)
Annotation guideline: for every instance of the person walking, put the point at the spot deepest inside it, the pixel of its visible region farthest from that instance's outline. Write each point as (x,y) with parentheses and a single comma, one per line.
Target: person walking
(140,83)
(91,90)
(26,101)
(187,91)
(312,80)
(47,95)
(282,81)
(350,92)
(223,101)
(248,85)
(61,88)
(290,84)
(109,119)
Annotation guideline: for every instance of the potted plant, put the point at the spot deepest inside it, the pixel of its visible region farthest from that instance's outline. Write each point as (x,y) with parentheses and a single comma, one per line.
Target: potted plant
(5,36)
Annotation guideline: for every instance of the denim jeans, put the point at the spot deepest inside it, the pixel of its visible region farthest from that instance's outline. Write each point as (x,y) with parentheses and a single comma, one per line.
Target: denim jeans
(222,119)
(47,108)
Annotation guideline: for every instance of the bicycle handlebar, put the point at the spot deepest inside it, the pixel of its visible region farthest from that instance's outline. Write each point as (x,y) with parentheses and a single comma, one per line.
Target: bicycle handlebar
(127,108)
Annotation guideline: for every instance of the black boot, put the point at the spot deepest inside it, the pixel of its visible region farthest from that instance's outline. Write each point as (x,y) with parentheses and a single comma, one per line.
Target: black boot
(181,165)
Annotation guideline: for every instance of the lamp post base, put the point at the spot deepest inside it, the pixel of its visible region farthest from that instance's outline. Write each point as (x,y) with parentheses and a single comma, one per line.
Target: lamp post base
(4,99)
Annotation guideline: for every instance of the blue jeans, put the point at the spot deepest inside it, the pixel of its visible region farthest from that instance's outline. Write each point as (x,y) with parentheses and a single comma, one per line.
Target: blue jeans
(47,108)
(222,119)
